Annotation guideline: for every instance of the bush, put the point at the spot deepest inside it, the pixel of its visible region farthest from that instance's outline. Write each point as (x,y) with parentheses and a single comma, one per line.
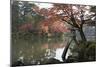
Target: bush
(86,52)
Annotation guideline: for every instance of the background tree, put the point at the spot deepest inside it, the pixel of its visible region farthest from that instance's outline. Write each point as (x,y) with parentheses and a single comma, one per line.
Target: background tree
(22,13)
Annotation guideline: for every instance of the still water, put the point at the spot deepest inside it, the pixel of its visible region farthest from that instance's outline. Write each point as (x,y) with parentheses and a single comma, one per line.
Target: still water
(37,49)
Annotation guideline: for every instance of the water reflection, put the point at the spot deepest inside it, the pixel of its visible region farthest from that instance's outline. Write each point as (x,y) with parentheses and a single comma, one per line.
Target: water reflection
(36,50)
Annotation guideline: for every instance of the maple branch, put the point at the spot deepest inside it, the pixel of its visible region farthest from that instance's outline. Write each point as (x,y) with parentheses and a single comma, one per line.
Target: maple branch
(72,18)
(69,23)
(82,19)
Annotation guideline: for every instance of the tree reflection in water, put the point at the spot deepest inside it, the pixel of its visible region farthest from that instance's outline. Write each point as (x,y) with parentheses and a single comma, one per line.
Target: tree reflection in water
(37,50)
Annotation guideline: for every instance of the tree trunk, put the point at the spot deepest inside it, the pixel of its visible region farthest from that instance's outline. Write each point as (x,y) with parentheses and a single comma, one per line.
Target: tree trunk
(65,51)
(82,35)
(84,40)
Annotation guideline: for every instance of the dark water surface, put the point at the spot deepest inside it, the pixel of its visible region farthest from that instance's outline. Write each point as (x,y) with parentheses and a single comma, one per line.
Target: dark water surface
(37,49)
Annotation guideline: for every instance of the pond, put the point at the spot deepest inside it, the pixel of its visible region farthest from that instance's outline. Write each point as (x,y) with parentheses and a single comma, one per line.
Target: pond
(35,50)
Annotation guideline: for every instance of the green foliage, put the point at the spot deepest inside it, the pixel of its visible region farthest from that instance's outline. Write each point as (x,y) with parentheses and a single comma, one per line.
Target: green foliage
(85,52)
(93,9)
(91,51)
